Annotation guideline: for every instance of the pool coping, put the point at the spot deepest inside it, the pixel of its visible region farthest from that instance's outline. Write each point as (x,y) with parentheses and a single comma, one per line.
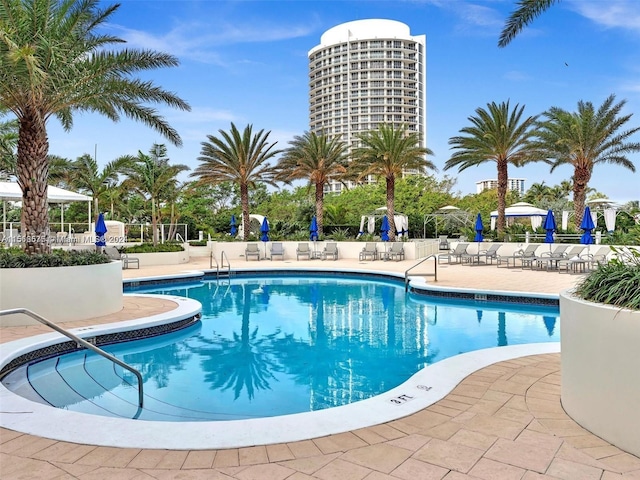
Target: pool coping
(423,389)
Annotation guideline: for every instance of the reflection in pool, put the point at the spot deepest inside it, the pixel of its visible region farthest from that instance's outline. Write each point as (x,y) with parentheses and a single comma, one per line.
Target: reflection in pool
(274,345)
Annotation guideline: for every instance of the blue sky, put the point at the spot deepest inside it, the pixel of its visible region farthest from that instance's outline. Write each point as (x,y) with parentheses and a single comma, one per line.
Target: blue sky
(246,62)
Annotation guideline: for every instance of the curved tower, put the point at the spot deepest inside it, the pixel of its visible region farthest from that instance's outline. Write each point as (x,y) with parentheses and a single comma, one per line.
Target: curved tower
(364,73)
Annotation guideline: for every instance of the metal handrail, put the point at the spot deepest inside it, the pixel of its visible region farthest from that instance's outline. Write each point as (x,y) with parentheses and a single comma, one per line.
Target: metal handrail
(212,258)
(80,341)
(435,271)
(222,257)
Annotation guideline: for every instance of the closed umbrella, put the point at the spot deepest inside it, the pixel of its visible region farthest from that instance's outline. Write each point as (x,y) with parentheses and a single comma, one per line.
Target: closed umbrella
(313,230)
(587,225)
(479,227)
(384,229)
(550,226)
(234,229)
(101,230)
(264,231)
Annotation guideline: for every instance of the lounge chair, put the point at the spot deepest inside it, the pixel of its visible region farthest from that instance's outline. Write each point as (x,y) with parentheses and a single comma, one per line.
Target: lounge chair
(550,258)
(114,254)
(585,262)
(396,252)
(455,253)
(277,250)
(489,254)
(303,250)
(443,242)
(370,251)
(527,253)
(330,250)
(252,250)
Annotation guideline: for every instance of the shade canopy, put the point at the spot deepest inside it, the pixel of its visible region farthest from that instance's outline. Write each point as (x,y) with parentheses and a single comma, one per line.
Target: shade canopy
(11,191)
(521,210)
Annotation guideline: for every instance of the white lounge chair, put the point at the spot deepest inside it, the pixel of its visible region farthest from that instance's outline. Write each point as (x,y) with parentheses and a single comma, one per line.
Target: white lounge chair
(114,254)
(303,250)
(330,250)
(454,254)
(277,250)
(527,253)
(396,252)
(370,251)
(252,250)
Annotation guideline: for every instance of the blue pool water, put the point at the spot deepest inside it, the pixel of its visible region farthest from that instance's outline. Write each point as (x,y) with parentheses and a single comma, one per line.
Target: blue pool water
(274,345)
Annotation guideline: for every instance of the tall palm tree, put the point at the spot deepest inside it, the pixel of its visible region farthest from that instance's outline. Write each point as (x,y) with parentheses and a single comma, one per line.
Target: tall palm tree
(497,134)
(522,16)
(54,61)
(317,158)
(241,158)
(584,139)
(8,143)
(389,152)
(150,176)
(86,175)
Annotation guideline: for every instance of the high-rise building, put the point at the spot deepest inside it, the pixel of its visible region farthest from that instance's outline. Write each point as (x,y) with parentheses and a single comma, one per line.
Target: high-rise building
(365,73)
(515,184)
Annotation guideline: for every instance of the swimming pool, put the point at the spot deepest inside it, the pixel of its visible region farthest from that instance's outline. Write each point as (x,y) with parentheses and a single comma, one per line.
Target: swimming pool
(276,345)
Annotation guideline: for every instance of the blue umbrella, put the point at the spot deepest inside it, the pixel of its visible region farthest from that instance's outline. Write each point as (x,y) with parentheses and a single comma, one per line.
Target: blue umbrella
(101,230)
(313,229)
(549,225)
(479,227)
(384,229)
(264,230)
(234,230)
(587,225)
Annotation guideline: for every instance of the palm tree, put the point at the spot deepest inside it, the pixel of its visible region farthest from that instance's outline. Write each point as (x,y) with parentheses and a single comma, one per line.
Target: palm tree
(53,62)
(584,139)
(8,143)
(150,176)
(240,158)
(526,12)
(86,176)
(389,152)
(317,158)
(499,135)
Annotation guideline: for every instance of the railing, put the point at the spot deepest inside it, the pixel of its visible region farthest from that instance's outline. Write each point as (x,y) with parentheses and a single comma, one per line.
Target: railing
(435,271)
(80,341)
(220,266)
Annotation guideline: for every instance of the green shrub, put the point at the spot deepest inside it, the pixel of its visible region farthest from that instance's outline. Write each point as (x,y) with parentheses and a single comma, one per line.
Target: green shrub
(615,283)
(16,258)
(151,248)
(198,243)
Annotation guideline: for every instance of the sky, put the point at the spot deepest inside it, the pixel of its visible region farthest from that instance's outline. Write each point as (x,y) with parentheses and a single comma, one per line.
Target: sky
(246,62)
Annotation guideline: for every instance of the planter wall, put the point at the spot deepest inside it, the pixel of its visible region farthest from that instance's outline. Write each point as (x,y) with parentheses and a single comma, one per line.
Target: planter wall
(161,258)
(61,293)
(601,370)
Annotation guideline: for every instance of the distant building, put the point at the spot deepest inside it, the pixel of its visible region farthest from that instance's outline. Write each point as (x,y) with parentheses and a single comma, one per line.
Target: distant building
(364,73)
(514,184)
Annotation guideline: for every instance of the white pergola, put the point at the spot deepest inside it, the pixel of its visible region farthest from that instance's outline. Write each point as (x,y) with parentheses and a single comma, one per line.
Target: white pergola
(11,192)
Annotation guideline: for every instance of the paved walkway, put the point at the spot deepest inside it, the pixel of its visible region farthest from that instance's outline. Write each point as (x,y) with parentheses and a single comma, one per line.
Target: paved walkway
(503,422)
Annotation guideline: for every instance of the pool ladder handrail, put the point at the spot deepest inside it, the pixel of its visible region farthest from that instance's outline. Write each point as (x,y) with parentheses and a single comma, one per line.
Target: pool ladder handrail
(220,268)
(434,274)
(80,342)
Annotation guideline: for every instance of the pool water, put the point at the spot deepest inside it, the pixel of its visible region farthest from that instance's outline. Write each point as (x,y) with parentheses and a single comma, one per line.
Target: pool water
(275,345)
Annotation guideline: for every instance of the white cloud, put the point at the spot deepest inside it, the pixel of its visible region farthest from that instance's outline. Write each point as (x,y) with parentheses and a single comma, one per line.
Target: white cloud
(516,76)
(610,13)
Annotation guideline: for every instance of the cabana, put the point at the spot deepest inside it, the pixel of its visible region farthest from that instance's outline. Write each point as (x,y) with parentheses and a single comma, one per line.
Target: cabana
(448,217)
(255,222)
(400,219)
(521,210)
(11,192)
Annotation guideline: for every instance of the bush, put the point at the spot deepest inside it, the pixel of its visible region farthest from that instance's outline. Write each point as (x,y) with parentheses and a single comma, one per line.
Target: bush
(614,283)
(16,258)
(198,243)
(151,248)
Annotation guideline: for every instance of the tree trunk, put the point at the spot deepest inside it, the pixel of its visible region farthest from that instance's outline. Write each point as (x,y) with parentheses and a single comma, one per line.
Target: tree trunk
(503,178)
(33,174)
(391,191)
(320,207)
(581,177)
(244,203)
